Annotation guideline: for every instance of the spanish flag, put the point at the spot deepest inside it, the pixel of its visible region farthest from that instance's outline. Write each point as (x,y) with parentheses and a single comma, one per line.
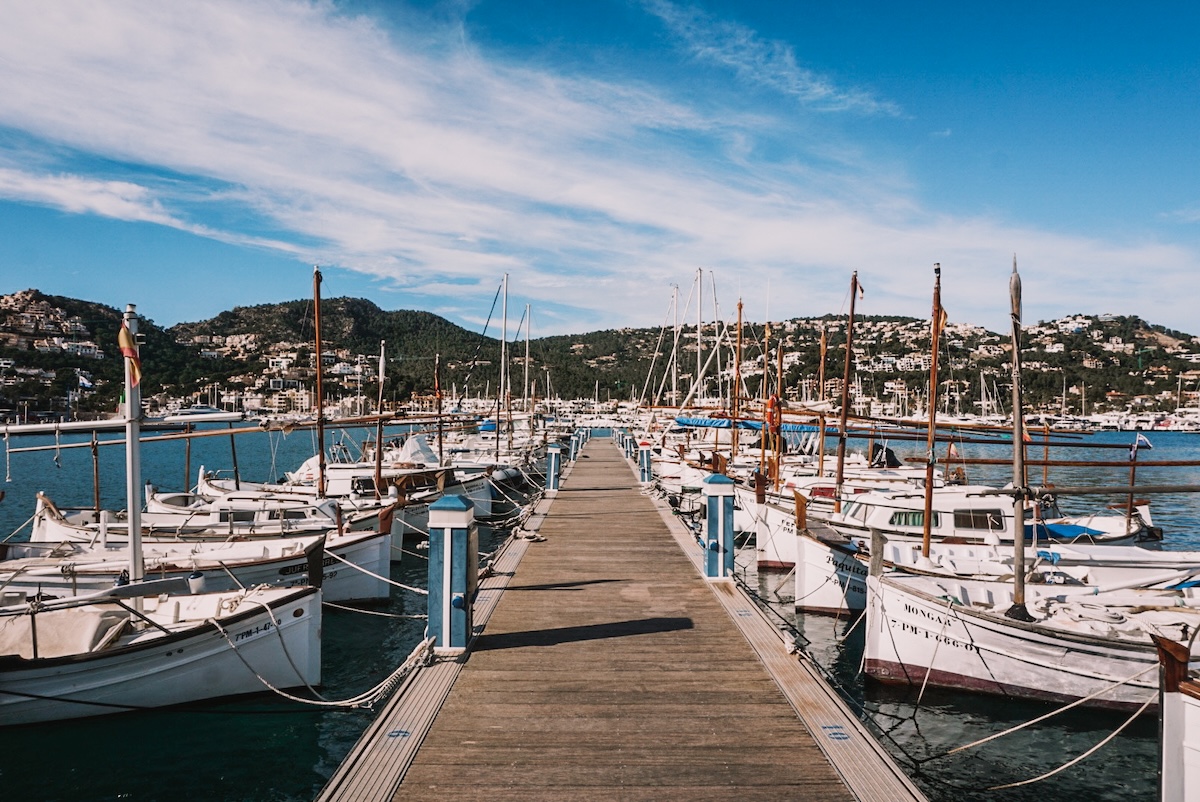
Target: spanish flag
(129,350)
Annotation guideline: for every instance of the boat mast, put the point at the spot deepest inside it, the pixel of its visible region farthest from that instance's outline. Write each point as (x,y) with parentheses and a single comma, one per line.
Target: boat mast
(821,403)
(930,458)
(320,389)
(1017,611)
(437,394)
(379,426)
(845,411)
(675,350)
(736,395)
(127,338)
(505,395)
(525,389)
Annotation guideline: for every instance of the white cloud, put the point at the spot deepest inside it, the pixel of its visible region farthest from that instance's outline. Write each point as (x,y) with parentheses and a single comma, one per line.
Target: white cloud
(758,61)
(411,157)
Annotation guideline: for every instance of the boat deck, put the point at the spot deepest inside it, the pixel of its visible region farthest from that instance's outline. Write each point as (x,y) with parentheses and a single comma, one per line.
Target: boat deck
(609,668)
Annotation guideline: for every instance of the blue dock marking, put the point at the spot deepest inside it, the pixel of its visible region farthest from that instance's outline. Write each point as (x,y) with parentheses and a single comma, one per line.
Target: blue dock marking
(399,734)
(835,732)
(744,613)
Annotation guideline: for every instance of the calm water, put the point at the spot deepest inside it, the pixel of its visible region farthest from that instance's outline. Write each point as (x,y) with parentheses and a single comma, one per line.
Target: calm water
(261,748)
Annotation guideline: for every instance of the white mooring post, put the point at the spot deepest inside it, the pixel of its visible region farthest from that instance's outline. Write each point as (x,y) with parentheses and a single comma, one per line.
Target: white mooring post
(453,573)
(553,467)
(629,445)
(573,454)
(718,527)
(645,464)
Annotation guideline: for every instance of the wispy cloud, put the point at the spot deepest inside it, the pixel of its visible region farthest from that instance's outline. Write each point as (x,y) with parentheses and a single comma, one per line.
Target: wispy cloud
(760,61)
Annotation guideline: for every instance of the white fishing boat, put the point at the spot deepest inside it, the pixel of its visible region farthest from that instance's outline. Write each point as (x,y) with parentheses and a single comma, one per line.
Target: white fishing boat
(978,514)
(831,569)
(90,656)
(150,644)
(1091,643)
(352,565)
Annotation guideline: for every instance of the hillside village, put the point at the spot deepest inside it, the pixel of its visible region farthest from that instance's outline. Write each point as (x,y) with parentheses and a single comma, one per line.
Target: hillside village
(57,361)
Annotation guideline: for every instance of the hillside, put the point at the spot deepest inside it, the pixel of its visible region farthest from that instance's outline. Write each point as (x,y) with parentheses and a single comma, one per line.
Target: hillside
(60,353)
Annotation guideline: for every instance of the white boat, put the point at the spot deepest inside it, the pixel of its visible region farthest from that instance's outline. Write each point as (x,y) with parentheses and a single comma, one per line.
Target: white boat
(149,644)
(402,514)
(979,514)
(1179,729)
(1084,643)
(93,656)
(352,565)
(831,569)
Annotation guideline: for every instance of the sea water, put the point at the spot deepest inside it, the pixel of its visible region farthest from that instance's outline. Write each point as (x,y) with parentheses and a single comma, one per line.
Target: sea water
(262,748)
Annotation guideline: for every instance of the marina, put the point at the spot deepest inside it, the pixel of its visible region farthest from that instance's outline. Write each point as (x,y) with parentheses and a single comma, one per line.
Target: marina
(361,649)
(585,616)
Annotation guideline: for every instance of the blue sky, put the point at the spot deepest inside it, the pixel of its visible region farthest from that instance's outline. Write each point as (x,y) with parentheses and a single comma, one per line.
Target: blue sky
(193,157)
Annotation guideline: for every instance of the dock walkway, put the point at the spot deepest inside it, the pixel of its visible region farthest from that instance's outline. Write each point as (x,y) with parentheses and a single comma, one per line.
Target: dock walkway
(609,669)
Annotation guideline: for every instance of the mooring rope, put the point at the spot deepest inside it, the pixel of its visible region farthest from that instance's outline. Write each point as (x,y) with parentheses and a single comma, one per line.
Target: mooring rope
(366,699)
(13,533)
(379,613)
(1086,754)
(377,576)
(1054,712)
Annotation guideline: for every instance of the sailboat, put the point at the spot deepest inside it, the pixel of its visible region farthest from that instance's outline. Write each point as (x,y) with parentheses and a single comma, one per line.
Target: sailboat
(1023,639)
(148,644)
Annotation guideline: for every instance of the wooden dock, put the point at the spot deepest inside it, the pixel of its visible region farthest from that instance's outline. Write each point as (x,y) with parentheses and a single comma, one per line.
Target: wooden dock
(608,668)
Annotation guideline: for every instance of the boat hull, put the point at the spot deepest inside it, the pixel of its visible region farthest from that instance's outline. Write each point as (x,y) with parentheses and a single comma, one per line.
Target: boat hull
(188,666)
(917,639)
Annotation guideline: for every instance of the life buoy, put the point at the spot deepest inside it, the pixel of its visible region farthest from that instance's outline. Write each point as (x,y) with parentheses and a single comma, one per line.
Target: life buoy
(773,412)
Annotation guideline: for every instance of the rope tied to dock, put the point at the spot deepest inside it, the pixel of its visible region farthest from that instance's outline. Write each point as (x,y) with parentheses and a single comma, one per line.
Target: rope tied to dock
(401,585)
(380,613)
(419,657)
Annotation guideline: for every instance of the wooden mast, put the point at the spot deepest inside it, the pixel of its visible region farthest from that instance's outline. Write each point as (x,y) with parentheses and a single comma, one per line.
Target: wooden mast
(931,458)
(736,395)
(845,411)
(1018,610)
(320,389)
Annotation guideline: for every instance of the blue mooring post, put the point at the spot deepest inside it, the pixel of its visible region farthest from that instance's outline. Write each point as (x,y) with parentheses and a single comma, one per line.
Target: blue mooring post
(629,445)
(453,573)
(718,527)
(553,467)
(645,465)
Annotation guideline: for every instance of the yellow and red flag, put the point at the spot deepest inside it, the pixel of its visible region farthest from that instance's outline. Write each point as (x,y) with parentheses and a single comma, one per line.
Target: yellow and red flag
(129,350)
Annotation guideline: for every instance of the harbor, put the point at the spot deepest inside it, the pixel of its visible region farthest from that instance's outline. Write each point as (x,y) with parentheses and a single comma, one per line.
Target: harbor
(270,748)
